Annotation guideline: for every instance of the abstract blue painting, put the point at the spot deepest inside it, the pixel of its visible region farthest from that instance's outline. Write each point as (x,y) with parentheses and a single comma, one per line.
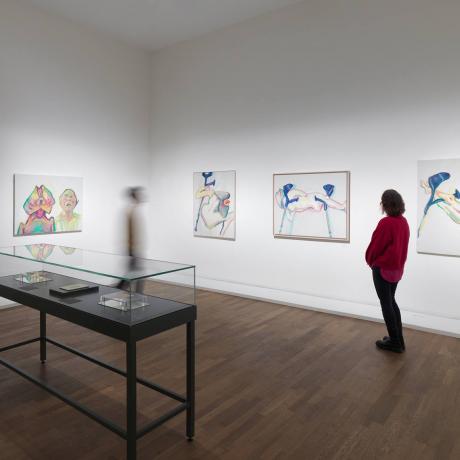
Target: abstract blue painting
(438,228)
(313,206)
(214,210)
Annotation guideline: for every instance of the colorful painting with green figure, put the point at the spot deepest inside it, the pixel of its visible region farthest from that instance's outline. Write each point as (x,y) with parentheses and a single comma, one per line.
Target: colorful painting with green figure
(68,220)
(55,206)
(38,206)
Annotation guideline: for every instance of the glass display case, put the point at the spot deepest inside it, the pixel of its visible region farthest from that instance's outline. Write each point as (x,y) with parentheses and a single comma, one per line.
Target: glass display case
(121,297)
(128,283)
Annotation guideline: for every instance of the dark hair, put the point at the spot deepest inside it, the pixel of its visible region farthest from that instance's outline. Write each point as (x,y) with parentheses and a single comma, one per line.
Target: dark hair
(135,193)
(393,203)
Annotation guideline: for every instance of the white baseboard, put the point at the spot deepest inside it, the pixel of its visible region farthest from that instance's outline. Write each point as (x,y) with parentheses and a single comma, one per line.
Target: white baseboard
(413,320)
(5,303)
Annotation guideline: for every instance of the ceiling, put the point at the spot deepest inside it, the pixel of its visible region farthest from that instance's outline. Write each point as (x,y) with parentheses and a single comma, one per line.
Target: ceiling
(154,24)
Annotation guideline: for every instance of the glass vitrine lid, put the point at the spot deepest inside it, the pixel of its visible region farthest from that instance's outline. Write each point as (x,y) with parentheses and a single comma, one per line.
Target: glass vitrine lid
(99,263)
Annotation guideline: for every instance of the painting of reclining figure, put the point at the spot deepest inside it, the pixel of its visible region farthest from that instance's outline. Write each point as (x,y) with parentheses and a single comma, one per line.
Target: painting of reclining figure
(214,204)
(312,206)
(47,204)
(438,229)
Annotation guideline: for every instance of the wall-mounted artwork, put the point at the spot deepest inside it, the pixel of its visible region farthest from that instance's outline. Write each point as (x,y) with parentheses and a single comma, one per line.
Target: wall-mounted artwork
(47,204)
(312,206)
(214,204)
(439,207)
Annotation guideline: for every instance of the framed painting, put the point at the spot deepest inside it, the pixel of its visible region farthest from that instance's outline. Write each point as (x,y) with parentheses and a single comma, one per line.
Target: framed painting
(438,229)
(47,204)
(312,206)
(214,210)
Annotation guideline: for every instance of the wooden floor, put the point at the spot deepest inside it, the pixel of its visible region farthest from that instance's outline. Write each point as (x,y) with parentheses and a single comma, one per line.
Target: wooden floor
(273,382)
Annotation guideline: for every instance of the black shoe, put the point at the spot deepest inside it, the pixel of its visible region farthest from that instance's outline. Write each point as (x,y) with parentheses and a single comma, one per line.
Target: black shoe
(389,345)
(403,346)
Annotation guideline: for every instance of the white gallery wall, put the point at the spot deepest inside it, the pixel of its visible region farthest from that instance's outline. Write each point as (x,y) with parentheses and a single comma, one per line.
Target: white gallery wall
(72,103)
(360,85)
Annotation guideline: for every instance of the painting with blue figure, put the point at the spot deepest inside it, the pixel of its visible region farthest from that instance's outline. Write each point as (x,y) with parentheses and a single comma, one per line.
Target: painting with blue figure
(214,209)
(438,230)
(312,206)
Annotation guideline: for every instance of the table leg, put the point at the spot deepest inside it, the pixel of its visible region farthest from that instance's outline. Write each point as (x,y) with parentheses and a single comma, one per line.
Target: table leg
(191,380)
(42,337)
(131,399)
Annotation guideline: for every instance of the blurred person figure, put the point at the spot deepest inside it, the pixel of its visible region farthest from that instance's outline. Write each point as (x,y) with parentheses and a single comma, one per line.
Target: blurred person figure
(136,196)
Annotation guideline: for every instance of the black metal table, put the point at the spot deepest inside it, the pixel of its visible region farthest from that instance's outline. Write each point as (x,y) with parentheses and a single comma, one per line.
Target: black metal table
(129,327)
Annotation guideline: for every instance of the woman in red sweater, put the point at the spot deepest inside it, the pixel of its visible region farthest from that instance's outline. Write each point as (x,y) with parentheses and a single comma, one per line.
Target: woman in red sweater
(386,255)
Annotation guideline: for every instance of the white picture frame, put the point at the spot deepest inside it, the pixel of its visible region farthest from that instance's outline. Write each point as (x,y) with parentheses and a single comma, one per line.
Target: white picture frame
(312,206)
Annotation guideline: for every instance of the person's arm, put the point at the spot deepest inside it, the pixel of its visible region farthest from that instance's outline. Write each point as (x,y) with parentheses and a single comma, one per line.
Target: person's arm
(379,242)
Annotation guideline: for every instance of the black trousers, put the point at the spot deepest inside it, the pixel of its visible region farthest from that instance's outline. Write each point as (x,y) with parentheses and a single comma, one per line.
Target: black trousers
(391,314)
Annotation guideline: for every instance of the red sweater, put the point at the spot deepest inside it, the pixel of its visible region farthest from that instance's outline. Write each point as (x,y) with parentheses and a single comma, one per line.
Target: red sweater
(388,247)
